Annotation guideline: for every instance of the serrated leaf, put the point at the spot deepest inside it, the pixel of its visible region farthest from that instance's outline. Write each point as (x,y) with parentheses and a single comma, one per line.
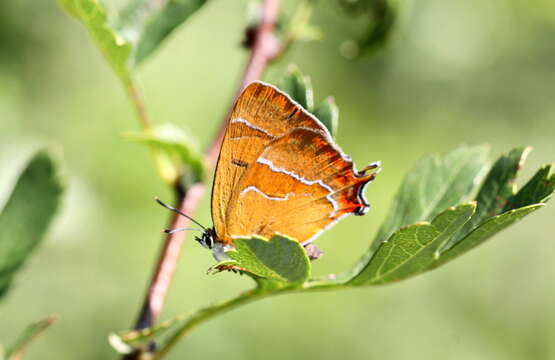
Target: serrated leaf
(538,190)
(94,18)
(299,87)
(280,258)
(28,336)
(328,113)
(423,246)
(435,183)
(27,214)
(183,160)
(485,231)
(146,23)
(497,190)
(411,250)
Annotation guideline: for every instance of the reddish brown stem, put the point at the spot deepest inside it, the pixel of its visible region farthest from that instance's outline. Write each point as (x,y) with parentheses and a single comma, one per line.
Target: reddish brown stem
(264,48)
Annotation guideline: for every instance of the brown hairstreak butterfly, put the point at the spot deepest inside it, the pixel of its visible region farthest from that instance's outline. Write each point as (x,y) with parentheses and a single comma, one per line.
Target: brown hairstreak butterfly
(279,171)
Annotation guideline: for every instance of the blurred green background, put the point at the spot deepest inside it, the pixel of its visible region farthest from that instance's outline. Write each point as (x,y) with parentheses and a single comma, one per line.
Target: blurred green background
(454,72)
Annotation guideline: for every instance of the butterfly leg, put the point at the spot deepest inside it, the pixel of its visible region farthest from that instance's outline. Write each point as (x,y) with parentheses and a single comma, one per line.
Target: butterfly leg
(313,252)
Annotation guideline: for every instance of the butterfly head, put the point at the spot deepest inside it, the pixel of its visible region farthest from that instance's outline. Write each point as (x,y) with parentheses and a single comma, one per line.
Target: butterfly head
(207,239)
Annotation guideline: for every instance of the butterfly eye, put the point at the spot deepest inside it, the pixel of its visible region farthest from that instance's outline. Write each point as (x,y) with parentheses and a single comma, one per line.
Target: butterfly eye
(207,241)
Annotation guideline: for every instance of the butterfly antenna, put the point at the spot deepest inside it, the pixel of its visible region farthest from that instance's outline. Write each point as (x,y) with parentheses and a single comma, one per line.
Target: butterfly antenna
(171,208)
(171,231)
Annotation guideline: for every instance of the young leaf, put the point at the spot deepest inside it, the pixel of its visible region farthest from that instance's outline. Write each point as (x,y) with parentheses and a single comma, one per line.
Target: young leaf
(127,342)
(411,250)
(33,331)
(435,183)
(146,23)
(328,113)
(299,87)
(177,149)
(280,258)
(27,214)
(115,47)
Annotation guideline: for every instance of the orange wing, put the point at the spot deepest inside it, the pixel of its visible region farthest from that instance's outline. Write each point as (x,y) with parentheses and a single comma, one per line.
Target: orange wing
(279,171)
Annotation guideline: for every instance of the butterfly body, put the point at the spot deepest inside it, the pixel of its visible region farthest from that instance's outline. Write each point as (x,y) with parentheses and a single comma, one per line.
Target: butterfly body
(279,171)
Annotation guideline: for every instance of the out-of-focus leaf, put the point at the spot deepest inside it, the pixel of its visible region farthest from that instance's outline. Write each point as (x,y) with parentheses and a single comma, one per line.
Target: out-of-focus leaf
(146,23)
(380,15)
(127,39)
(127,342)
(33,331)
(412,249)
(115,47)
(299,87)
(434,184)
(27,214)
(328,113)
(281,258)
(177,149)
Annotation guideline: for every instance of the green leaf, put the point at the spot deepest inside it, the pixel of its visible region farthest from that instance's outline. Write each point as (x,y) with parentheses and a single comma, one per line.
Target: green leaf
(299,87)
(497,190)
(94,18)
(423,246)
(28,336)
(177,149)
(27,214)
(127,39)
(411,250)
(328,113)
(538,190)
(281,258)
(381,17)
(146,23)
(485,231)
(436,182)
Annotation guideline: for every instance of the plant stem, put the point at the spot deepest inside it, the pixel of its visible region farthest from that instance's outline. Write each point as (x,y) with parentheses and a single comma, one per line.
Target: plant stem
(206,314)
(263,50)
(137,100)
(250,296)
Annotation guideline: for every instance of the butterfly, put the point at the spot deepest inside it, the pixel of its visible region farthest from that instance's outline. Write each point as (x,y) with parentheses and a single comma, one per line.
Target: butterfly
(280,172)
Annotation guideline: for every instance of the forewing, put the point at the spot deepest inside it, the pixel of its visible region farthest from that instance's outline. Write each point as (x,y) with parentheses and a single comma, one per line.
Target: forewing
(260,115)
(299,185)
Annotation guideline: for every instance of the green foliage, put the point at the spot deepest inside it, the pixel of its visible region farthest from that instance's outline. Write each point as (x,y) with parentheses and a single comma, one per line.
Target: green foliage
(380,16)
(27,214)
(299,87)
(145,24)
(434,184)
(423,246)
(178,153)
(115,48)
(413,248)
(279,259)
(127,39)
(15,351)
